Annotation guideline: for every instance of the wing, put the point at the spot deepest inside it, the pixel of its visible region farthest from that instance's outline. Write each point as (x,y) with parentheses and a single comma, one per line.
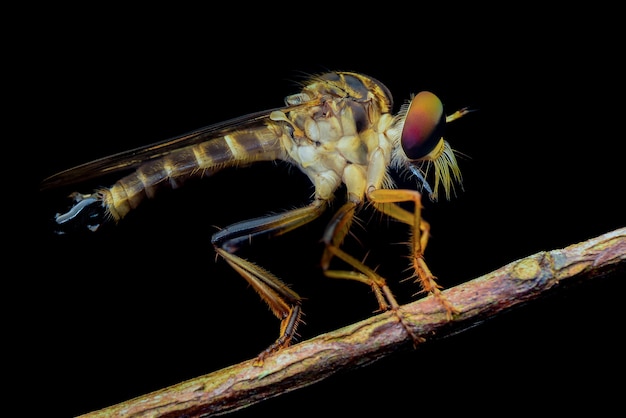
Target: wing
(128,160)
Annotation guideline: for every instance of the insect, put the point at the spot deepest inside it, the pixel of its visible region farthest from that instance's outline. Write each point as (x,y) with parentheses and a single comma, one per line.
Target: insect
(340,131)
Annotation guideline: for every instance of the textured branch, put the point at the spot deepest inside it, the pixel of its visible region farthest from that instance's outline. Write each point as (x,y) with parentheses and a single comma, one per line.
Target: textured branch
(303,364)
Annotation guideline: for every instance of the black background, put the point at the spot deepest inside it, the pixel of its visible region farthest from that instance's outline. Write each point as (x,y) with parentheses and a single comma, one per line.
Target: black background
(145,305)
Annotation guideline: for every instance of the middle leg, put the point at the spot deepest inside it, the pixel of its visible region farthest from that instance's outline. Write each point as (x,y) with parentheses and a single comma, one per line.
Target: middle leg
(334,235)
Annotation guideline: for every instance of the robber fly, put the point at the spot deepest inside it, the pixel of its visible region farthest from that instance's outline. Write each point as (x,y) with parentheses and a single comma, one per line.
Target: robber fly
(338,130)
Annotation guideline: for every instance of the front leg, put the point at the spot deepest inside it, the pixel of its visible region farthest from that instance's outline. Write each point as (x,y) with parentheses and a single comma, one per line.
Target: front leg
(386,201)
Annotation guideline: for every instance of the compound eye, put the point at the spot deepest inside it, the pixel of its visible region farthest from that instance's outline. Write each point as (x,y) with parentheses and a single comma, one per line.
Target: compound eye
(423,126)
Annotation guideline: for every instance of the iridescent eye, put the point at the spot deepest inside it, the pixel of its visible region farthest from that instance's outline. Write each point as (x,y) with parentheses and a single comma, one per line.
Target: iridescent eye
(423,126)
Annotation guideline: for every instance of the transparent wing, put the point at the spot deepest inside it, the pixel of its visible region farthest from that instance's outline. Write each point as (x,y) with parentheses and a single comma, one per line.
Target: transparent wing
(128,160)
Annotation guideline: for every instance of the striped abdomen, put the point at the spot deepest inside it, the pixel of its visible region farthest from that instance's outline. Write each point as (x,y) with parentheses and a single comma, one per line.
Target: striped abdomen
(206,158)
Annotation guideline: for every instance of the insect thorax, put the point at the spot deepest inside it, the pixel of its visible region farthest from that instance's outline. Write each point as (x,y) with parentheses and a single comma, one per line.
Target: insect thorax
(339,123)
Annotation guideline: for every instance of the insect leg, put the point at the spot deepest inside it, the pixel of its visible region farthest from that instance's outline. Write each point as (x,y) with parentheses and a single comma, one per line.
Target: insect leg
(333,237)
(386,201)
(282,301)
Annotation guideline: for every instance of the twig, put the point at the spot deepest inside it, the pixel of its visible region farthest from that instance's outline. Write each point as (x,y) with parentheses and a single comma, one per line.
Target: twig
(356,345)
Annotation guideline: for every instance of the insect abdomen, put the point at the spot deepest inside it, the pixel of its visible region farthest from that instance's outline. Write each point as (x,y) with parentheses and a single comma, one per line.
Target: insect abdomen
(203,159)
